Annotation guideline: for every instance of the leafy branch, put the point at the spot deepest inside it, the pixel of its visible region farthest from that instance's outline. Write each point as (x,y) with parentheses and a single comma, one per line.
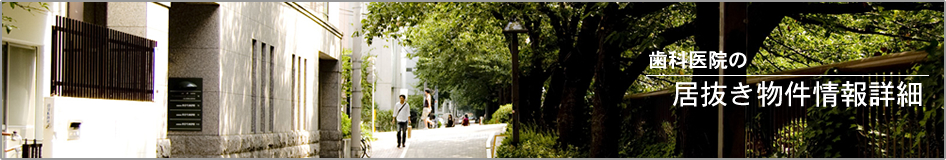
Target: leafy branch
(7,20)
(821,22)
(796,51)
(766,58)
(767,49)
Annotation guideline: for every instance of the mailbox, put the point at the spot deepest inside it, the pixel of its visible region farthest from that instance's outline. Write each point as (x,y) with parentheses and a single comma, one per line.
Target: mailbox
(74,130)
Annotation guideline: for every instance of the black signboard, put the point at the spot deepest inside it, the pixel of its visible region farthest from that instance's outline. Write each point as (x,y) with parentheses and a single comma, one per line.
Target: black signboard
(185,103)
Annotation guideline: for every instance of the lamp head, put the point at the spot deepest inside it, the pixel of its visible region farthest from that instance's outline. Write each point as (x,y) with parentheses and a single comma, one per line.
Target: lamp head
(514,27)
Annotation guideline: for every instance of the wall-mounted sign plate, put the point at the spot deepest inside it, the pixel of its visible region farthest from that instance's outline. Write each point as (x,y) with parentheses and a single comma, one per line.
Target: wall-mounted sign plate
(185,104)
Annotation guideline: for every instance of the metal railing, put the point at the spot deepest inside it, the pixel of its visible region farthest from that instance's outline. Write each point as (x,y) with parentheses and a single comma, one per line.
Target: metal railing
(92,61)
(34,150)
(881,131)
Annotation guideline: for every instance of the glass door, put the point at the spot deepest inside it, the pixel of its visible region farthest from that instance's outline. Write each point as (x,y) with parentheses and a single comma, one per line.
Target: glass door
(18,92)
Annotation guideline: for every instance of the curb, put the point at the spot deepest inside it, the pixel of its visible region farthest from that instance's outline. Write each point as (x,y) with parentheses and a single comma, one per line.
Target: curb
(490,141)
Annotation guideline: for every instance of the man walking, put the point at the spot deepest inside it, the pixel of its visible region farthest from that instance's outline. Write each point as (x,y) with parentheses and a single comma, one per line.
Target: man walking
(402,115)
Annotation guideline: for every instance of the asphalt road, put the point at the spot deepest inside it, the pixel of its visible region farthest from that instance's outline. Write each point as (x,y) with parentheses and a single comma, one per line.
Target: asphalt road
(456,142)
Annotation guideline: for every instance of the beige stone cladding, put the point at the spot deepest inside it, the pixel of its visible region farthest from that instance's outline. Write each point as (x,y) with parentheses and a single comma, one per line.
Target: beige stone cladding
(259,62)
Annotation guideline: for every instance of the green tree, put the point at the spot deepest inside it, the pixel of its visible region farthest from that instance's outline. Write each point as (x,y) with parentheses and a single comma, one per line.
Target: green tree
(416,102)
(8,21)
(578,57)
(806,46)
(366,85)
(459,56)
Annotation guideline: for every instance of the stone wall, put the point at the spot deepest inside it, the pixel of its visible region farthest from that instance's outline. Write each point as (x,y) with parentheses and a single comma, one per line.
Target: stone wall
(330,93)
(272,145)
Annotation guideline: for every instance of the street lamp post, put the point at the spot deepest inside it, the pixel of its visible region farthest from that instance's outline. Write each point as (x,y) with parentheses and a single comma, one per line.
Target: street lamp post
(511,30)
(371,79)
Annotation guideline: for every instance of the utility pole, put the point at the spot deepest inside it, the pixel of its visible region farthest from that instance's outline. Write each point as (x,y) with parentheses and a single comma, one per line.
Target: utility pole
(356,93)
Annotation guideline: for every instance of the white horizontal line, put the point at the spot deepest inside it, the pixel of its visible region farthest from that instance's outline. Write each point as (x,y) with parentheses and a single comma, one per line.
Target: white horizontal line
(924,75)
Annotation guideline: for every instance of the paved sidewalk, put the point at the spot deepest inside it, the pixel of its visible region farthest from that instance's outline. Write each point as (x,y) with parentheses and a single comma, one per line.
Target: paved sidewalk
(386,146)
(456,142)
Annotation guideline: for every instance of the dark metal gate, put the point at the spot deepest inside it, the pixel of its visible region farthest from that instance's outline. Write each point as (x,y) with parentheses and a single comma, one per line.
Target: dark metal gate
(34,150)
(92,61)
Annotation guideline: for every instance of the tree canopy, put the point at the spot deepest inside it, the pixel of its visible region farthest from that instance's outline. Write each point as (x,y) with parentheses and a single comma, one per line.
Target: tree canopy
(579,60)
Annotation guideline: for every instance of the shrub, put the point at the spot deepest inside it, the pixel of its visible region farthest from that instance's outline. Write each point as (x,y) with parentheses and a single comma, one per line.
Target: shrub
(652,143)
(502,115)
(366,131)
(643,135)
(415,118)
(346,126)
(535,143)
(417,108)
(384,121)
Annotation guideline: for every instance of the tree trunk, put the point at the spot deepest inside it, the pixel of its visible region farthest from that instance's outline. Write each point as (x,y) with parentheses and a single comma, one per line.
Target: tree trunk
(537,76)
(610,86)
(573,112)
(578,75)
(493,105)
(611,82)
(530,95)
(553,97)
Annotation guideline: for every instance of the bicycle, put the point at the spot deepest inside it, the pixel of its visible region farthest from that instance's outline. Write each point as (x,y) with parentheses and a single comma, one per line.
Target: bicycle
(365,147)
(16,149)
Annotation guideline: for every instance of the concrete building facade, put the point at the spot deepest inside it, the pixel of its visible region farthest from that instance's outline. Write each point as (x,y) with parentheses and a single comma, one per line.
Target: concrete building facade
(407,81)
(394,72)
(269,74)
(261,65)
(76,126)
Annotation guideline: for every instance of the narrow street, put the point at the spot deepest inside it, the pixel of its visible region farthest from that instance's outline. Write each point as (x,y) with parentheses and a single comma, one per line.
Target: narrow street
(456,142)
